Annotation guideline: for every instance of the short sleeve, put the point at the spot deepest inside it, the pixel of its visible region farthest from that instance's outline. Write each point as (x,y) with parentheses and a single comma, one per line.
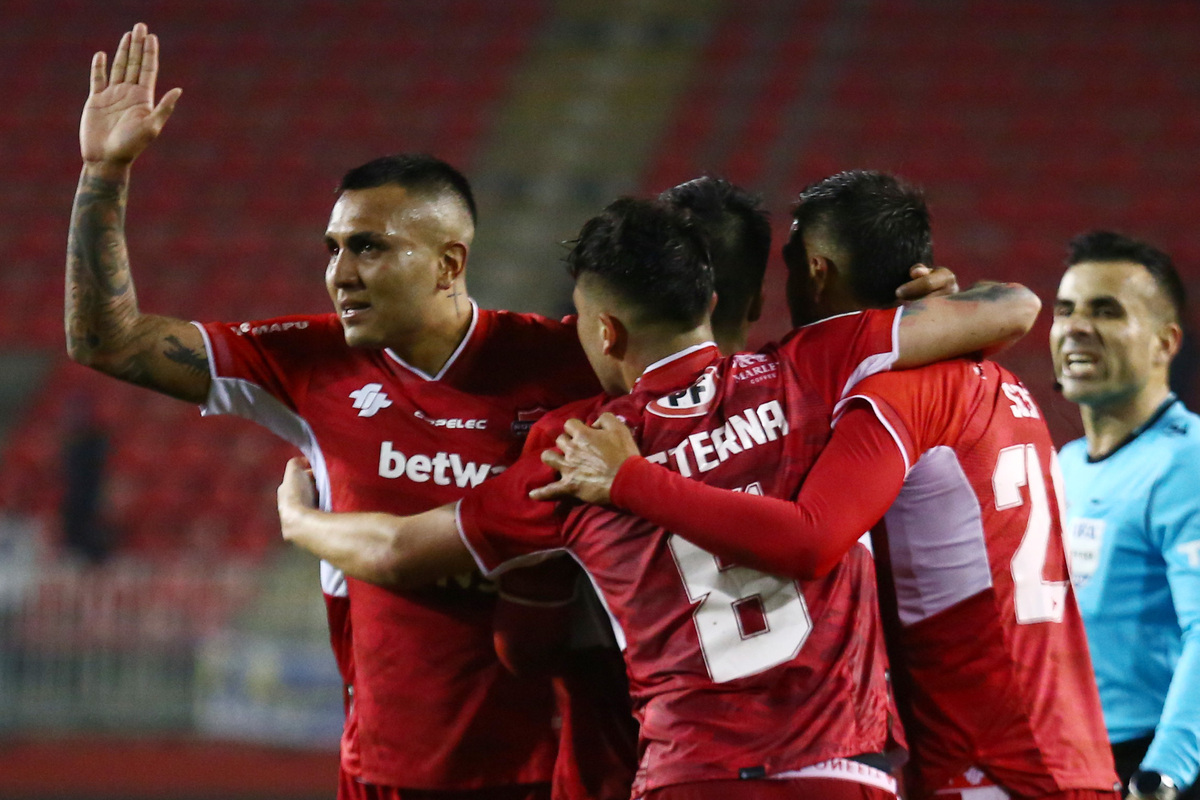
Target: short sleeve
(836,353)
(252,359)
(502,526)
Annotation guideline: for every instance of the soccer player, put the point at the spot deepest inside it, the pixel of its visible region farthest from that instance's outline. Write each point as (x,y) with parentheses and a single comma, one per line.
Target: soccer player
(746,685)
(402,399)
(989,654)
(1133,504)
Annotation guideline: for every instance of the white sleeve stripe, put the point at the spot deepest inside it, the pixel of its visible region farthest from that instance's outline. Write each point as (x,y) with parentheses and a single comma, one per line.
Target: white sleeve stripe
(527,560)
(883,420)
(467,542)
(880,362)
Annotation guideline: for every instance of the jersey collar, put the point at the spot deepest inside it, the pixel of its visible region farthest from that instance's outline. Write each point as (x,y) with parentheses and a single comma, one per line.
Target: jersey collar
(667,373)
(466,340)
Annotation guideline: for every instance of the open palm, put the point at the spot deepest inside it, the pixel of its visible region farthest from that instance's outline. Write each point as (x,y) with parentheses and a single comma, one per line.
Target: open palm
(120,118)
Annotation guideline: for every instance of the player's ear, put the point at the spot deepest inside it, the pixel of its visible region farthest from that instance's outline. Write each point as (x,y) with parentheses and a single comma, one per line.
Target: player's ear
(614,337)
(451,264)
(820,269)
(755,309)
(1167,343)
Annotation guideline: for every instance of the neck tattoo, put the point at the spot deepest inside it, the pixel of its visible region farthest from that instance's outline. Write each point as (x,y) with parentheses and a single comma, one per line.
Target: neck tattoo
(455,293)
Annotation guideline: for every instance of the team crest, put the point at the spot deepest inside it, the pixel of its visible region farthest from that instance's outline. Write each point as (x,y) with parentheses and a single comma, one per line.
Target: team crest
(694,401)
(525,419)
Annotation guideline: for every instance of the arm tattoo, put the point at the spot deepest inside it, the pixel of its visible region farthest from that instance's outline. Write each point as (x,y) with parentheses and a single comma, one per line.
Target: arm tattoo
(100,299)
(195,360)
(984,292)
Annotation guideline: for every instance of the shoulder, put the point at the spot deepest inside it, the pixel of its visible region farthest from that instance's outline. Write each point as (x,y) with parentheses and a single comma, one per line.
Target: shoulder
(1174,444)
(310,327)
(551,423)
(840,325)
(516,328)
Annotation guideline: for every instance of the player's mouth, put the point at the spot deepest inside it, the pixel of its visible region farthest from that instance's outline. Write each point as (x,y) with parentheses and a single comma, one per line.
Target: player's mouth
(352,311)
(1080,365)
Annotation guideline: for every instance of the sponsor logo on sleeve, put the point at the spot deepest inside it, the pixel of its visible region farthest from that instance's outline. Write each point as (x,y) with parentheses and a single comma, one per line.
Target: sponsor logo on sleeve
(273,327)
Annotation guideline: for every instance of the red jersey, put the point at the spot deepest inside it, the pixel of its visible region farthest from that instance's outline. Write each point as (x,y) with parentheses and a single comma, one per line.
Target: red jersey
(428,703)
(733,672)
(990,660)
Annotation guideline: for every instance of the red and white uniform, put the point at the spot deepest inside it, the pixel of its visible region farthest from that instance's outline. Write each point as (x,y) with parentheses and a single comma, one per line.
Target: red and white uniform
(428,703)
(989,656)
(734,673)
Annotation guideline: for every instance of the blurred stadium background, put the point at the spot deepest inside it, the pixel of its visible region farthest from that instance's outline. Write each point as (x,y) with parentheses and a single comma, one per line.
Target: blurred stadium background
(162,642)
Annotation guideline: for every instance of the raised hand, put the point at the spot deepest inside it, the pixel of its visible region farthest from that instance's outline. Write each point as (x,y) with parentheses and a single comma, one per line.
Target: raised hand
(587,458)
(120,118)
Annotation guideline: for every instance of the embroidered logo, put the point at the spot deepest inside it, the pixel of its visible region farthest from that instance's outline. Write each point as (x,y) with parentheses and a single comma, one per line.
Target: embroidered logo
(370,399)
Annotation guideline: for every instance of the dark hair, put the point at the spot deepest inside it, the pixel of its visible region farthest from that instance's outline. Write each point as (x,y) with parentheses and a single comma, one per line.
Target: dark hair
(1109,246)
(880,222)
(649,254)
(739,240)
(414,171)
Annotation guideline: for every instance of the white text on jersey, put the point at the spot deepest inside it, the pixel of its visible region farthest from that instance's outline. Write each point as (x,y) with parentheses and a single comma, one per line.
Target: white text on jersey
(442,468)
(453,422)
(707,449)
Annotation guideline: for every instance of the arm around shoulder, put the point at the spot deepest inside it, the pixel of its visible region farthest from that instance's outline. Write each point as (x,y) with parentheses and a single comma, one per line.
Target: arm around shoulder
(984,319)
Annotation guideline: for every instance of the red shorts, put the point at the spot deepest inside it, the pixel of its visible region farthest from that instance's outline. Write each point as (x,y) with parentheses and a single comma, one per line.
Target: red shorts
(350,788)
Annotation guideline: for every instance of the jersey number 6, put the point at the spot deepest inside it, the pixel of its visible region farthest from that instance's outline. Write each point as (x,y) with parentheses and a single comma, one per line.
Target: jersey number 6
(747,621)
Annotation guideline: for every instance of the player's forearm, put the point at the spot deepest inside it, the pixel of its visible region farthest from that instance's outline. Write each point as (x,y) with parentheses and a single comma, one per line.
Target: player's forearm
(385,549)
(101,307)
(1174,750)
(105,329)
(361,544)
(983,319)
(850,487)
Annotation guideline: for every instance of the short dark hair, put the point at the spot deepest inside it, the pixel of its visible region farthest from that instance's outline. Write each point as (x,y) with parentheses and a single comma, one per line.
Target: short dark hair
(1109,246)
(651,256)
(878,220)
(415,171)
(738,231)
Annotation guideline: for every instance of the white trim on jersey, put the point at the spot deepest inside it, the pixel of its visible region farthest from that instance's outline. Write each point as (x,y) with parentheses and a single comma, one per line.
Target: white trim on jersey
(453,356)
(536,558)
(246,399)
(936,522)
(841,406)
(662,362)
(880,362)
(618,631)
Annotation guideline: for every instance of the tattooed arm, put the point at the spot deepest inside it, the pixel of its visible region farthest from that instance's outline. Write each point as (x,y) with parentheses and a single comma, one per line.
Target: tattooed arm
(984,319)
(105,330)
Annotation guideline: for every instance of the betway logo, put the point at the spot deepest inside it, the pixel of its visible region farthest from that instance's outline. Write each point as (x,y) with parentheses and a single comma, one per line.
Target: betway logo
(442,468)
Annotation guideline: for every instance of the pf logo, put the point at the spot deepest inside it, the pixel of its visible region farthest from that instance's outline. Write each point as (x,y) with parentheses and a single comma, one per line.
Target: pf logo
(694,401)
(370,399)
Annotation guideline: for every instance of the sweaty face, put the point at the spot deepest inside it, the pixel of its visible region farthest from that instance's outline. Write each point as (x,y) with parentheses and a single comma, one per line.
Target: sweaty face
(1105,339)
(383,264)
